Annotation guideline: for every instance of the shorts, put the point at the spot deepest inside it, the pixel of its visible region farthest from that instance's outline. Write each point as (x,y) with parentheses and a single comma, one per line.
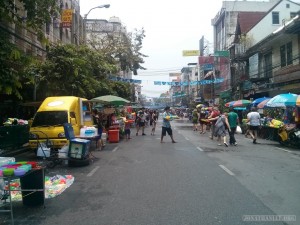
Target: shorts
(127,131)
(166,130)
(253,127)
(141,124)
(100,131)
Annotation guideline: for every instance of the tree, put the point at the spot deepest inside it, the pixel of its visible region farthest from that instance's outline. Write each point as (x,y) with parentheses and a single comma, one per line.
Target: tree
(121,46)
(12,64)
(73,70)
(32,14)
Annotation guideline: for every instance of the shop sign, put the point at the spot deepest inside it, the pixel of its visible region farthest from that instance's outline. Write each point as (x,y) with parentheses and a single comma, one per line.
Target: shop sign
(66,18)
(221,54)
(207,67)
(190,52)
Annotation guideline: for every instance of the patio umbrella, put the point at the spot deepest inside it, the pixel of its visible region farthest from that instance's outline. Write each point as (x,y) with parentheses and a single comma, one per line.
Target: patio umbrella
(282,100)
(259,100)
(263,103)
(298,100)
(238,103)
(110,99)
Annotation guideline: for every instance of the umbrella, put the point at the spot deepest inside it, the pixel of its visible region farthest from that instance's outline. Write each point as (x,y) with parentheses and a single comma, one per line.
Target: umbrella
(282,100)
(298,100)
(263,103)
(238,103)
(199,106)
(259,100)
(110,99)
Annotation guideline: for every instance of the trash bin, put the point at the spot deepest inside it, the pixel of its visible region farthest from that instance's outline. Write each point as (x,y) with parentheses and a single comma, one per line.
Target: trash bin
(35,179)
(113,136)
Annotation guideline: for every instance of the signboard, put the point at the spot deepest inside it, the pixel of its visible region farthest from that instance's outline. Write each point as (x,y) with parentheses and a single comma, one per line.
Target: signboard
(253,66)
(190,52)
(207,66)
(206,60)
(66,18)
(221,54)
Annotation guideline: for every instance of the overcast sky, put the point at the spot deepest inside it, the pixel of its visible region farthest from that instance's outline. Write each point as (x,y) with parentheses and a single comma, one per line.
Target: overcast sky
(170,27)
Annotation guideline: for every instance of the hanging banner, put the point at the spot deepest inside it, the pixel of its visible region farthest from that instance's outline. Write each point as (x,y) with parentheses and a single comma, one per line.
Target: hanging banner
(131,81)
(66,18)
(192,83)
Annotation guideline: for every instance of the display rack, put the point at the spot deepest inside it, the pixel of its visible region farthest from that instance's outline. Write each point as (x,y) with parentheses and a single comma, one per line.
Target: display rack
(32,188)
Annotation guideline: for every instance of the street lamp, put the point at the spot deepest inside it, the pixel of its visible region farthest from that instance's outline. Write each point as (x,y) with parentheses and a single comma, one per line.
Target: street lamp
(86,15)
(97,7)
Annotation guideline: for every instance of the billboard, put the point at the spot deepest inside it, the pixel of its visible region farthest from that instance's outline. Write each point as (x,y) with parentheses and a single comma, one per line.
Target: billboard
(66,18)
(190,52)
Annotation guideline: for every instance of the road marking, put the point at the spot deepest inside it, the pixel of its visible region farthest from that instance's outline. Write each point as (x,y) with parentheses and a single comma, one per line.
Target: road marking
(284,150)
(200,149)
(115,149)
(226,170)
(187,139)
(93,171)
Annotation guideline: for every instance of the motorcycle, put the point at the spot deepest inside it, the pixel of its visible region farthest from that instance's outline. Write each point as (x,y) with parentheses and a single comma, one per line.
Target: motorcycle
(289,136)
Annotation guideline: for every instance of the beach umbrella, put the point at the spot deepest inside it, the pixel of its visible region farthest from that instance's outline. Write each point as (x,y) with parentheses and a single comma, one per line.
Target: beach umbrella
(263,103)
(298,100)
(259,100)
(110,99)
(238,103)
(283,100)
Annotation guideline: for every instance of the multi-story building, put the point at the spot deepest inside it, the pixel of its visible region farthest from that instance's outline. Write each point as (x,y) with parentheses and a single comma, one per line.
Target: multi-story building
(225,24)
(267,63)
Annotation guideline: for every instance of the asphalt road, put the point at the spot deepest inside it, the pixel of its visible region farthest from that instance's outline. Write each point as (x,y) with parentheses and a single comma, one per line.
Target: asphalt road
(194,181)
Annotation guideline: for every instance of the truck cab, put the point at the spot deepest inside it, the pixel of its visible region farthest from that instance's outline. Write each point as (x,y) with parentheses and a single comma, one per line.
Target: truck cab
(47,124)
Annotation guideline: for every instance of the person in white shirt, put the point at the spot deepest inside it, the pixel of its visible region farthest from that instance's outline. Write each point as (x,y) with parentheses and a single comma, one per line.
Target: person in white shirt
(253,118)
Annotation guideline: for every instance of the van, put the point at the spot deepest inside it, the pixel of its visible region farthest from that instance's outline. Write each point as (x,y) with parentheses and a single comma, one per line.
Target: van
(47,124)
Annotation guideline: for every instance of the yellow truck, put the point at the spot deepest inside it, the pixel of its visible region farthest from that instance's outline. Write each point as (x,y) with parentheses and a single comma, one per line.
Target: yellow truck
(47,124)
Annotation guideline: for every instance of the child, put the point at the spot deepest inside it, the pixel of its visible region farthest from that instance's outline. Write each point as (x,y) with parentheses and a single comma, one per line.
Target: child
(127,128)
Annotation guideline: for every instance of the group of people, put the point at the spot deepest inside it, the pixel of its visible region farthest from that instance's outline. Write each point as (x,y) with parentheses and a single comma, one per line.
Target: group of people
(222,123)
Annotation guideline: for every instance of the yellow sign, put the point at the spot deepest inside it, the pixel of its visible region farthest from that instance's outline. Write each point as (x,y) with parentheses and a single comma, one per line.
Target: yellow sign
(66,18)
(190,53)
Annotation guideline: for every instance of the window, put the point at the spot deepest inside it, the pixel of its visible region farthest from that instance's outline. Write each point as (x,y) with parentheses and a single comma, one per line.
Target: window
(293,14)
(286,54)
(268,65)
(275,17)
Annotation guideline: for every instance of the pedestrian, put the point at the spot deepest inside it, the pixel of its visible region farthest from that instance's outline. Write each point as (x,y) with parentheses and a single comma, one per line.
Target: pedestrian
(166,126)
(253,118)
(233,120)
(221,126)
(98,123)
(213,116)
(127,128)
(154,122)
(195,119)
(202,118)
(141,118)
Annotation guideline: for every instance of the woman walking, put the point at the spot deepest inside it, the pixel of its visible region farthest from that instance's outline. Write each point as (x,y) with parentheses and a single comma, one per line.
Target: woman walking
(220,129)
(195,117)
(154,121)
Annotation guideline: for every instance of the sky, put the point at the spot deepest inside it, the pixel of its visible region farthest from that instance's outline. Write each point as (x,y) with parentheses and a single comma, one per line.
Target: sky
(170,27)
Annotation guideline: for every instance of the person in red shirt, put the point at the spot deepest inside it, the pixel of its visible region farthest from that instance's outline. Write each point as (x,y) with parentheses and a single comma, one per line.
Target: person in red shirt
(213,116)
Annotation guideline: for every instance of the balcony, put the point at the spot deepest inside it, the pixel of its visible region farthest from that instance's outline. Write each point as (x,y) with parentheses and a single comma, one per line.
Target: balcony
(288,73)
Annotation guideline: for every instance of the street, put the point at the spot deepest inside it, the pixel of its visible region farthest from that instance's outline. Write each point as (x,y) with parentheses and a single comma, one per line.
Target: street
(193,181)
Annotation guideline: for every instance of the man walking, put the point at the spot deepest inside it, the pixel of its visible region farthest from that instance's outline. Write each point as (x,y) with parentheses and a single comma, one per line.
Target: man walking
(166,126)
(213,116)
(233,120)
(253,118)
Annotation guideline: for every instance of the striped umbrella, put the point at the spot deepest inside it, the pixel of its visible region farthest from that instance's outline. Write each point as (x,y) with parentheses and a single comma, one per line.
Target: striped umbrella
(238,103)
(263,104)
(298,100)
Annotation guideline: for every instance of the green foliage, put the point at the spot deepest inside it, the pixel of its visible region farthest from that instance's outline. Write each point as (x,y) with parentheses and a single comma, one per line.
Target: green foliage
(38,12)
(73,70)
(12,64)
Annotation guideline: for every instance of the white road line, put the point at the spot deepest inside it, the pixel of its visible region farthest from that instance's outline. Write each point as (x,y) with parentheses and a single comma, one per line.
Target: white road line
(200,149)
(226,170)
(187,139)
(284,150)
(93,171)
(115,149)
